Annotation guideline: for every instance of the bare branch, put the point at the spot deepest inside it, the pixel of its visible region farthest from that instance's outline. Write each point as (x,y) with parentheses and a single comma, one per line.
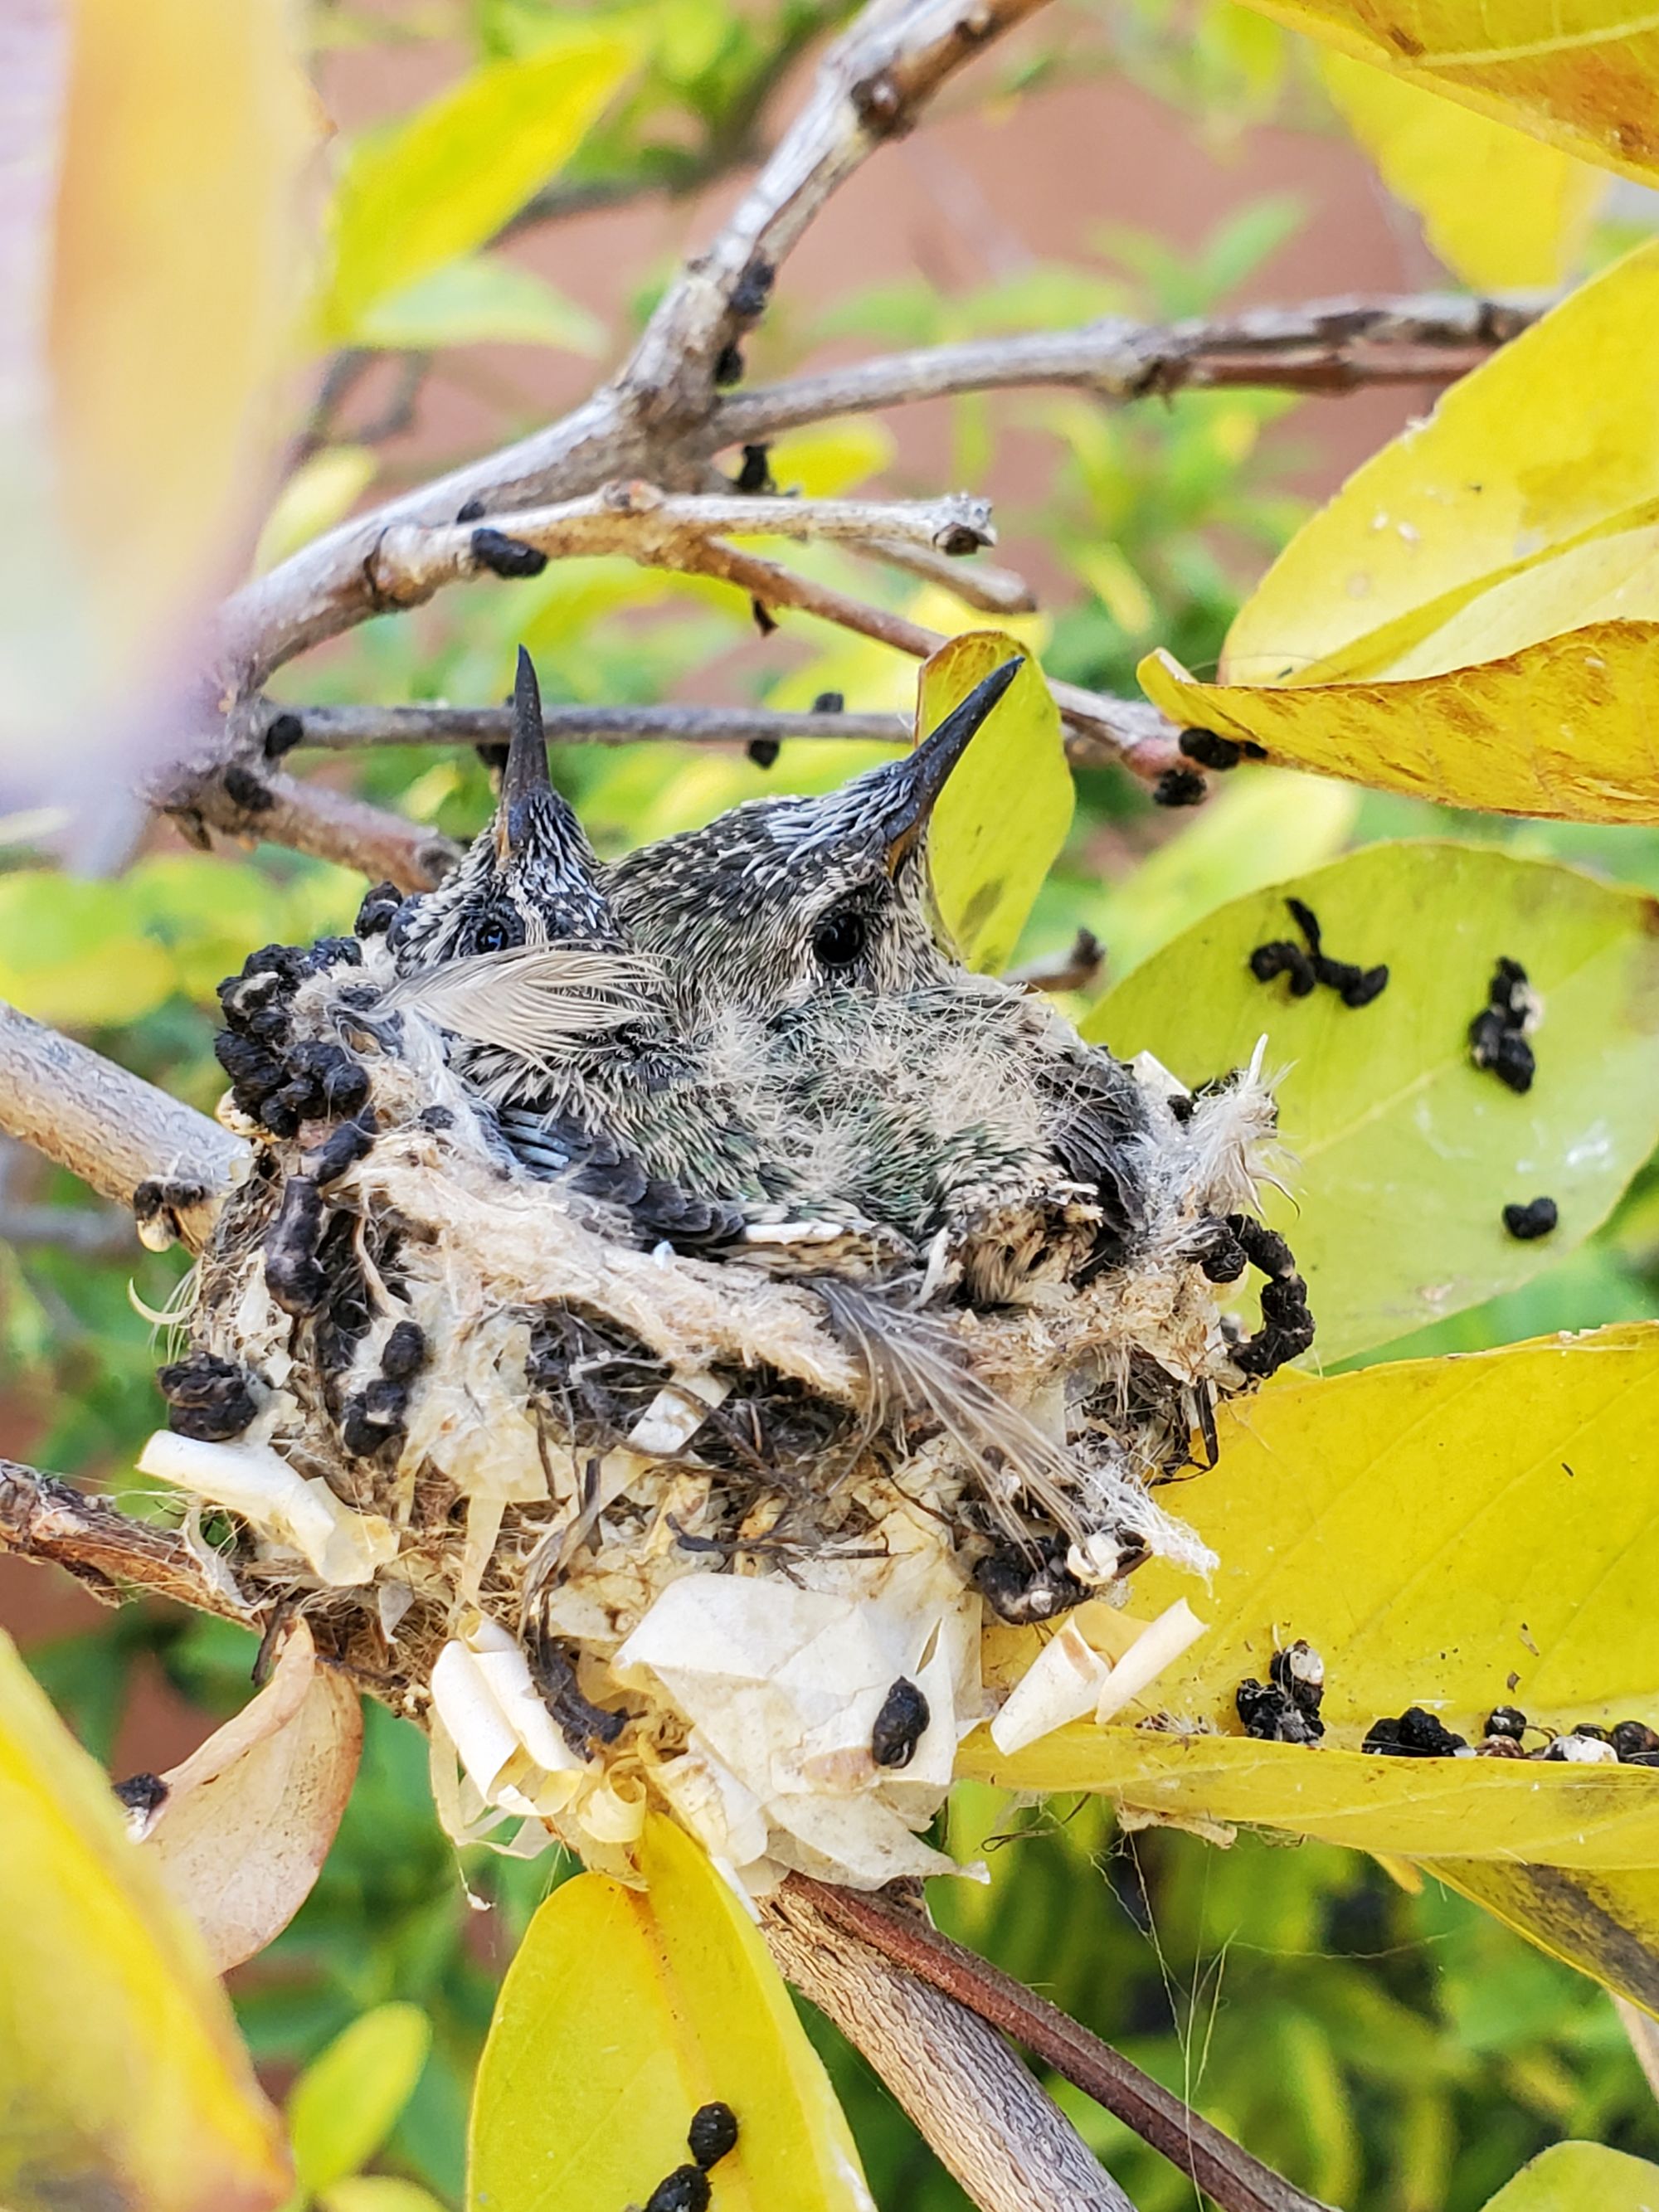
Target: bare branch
(871,86)
(1216,2165)
(49,1521)
(112,1128)
(342,728)
(239,796)
(990,2122)
(411,561)
(993,590)
(1328,345)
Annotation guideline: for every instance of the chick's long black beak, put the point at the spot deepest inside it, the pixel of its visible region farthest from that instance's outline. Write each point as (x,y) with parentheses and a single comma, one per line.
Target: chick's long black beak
(524,779)
(918,782)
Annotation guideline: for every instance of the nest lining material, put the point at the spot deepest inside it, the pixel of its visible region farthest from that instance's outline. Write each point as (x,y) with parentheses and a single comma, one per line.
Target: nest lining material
(624,1524)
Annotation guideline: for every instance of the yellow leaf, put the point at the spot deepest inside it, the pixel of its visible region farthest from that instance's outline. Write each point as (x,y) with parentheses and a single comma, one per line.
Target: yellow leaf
(830,460)
(1559,729)
(1580,74)
(621,2015)
(1501,209)
(1457,1533)
(1607,1925)
(347,2101)
(1580,2177)
(121,2077)
(378,2193)
(1405,1155)
(1553,440)
(1002,818)
(320,492)
(69,951)
(449,177)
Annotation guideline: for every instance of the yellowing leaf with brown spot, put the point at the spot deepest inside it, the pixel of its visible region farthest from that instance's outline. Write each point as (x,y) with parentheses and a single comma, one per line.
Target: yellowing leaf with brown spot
(1561,729)
(1002,818)
(1604,1925)
(1473,617)
(1553,440)
(1503,210)
(1580,74)
(621,2013)
(122,2080)
(1456,1534)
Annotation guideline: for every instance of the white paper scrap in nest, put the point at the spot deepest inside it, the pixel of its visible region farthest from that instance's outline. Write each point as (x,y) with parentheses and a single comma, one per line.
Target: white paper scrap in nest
(342,1547)
(782,1686)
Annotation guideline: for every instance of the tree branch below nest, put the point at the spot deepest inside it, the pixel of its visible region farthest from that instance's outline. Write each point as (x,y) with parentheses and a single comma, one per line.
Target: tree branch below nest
(989,2122)
(115,1557)
(1215,2164)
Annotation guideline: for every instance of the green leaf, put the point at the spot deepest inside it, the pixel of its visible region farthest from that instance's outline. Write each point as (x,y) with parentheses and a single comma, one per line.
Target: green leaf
(1405,1154)
(480,300)
(71,953)
(1581,2177)
(1456,1534)
(445,180)
(347,2101)
(122,2080)
(621,2013)
(1002,818)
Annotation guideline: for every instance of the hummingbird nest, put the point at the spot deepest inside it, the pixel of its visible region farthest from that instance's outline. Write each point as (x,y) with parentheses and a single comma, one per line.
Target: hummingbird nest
(647,1377)
(620,1524)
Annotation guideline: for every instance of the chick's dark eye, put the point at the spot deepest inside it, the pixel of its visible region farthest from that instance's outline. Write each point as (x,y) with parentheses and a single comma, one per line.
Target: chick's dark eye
(492,936)
(840,940)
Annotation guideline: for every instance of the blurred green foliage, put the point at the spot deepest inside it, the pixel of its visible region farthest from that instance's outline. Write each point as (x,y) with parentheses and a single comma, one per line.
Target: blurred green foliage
(1395,2052)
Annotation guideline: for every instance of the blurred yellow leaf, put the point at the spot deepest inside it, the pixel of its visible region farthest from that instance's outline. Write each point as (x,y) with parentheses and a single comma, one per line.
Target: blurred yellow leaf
(1471,618)
(828,461)
(156,287)
(69,953)
(445,180)
(1002,818)
(122,2080)
(321,492)
(1580,2177)
(620,2015)
(480,300)
(1582,73)
(1501,209)
(1457,1533)
(347,2101)
(378,2193)
(1607,1925)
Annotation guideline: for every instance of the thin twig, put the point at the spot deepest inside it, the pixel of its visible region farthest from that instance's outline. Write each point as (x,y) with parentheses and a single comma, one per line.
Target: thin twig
(1225,2171)
(89,1232)
(339,729)
(660,530)
(256,805)
(990,2122)
(1327,345)
(1077,968)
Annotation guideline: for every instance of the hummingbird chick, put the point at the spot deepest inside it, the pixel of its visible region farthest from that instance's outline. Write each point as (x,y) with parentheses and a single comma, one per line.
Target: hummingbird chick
(939,1102)
(560,1028)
